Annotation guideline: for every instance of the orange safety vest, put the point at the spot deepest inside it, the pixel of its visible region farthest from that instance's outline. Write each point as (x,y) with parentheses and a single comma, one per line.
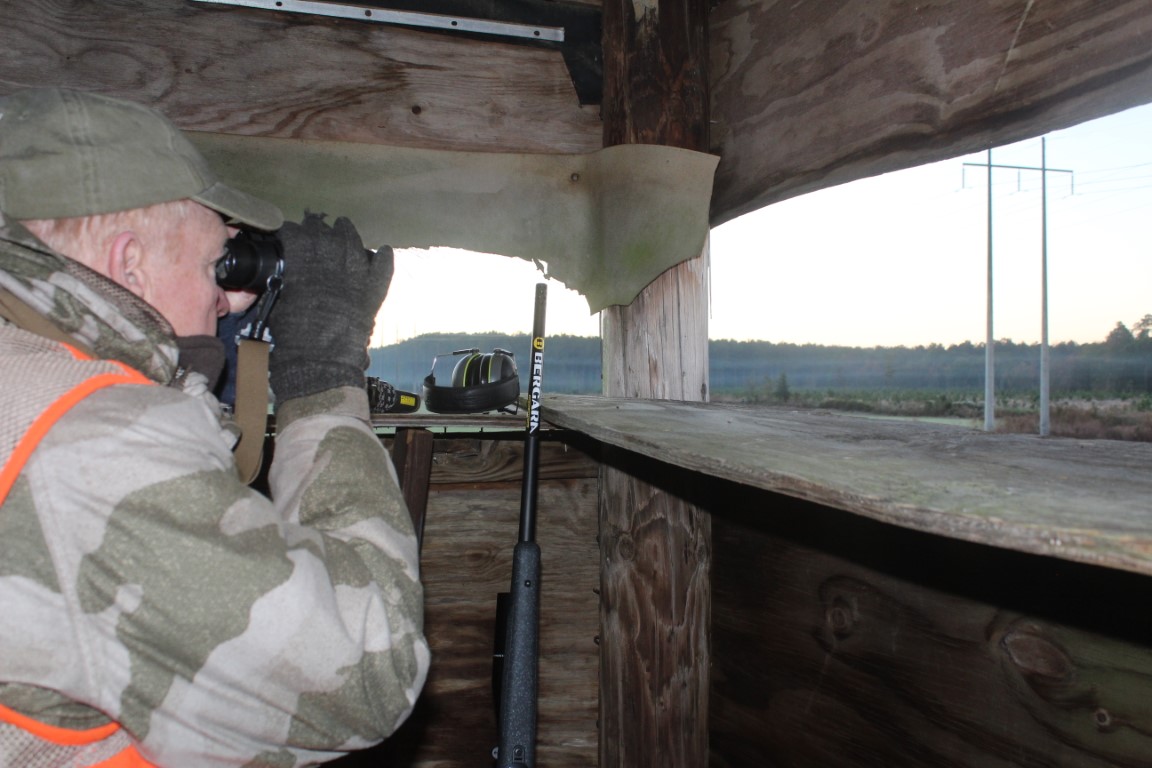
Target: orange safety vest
(50,415)
(23,740)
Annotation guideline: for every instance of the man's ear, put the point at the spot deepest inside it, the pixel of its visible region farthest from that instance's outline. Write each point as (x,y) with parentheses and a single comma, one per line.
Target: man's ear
(126,263)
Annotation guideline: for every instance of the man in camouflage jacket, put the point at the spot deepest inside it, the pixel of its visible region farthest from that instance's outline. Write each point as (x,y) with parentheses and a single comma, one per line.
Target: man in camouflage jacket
(141,582)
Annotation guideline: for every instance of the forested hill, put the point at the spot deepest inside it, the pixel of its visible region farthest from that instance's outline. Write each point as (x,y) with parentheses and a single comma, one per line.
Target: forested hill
(1121,364)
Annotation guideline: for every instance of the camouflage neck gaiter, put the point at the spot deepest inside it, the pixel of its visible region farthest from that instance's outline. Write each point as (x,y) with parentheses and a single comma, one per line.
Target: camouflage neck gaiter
(110,320)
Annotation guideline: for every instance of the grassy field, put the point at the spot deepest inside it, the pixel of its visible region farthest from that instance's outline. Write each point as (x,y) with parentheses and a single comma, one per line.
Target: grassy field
(1116,420)
(1086,418)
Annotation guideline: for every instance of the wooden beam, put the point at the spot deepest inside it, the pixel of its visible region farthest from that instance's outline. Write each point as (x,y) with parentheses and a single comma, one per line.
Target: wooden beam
(260,73)
(655,547)
(809,95)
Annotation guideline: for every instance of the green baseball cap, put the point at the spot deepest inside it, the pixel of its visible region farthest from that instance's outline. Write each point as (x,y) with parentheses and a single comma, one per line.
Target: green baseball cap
(66,153)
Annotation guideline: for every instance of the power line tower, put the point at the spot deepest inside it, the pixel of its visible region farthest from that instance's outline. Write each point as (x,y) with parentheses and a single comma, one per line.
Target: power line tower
(989,355)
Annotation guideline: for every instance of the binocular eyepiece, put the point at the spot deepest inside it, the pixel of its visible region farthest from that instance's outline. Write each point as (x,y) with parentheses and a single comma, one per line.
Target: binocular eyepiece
(251,261)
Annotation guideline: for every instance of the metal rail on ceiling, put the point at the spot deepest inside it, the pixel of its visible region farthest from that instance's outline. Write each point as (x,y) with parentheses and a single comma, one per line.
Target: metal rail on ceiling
(404,18)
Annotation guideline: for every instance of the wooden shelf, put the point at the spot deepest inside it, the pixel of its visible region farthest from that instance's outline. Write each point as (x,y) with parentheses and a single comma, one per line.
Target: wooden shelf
(493,420)
(1083,500)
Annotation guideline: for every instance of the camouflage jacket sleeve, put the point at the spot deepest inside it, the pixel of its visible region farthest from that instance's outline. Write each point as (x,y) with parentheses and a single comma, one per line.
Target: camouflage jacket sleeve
(216,626)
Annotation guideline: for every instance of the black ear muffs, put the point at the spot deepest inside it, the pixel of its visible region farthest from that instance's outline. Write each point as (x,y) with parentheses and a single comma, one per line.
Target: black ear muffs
(480,382)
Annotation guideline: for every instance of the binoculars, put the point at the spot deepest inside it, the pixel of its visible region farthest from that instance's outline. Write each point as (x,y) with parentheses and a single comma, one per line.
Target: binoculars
(252,261)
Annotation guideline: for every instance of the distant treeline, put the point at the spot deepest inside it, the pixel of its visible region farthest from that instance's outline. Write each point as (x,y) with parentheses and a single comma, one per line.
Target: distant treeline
(1120,365)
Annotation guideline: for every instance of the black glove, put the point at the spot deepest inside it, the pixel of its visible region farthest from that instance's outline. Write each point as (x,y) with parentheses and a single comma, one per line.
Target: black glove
(323,319)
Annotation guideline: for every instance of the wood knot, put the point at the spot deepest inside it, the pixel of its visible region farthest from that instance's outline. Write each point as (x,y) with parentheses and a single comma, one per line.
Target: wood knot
(626,547)
(1035,655)
(841,616)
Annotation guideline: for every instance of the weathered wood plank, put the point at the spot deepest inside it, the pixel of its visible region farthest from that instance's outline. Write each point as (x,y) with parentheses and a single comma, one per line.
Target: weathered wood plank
(463,462)
(808,95)
(843,643)
(260,73)
(1083,500)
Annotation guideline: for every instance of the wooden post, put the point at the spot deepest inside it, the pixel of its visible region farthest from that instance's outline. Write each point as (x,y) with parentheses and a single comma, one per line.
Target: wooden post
(412,458)
(655,610)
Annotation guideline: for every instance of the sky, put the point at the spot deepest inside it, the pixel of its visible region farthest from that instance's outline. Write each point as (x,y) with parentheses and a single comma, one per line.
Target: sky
(894,260)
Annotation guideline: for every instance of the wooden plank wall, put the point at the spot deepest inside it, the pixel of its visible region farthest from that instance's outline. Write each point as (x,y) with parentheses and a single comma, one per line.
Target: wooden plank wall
(470,530)
(254,72)
(803,95)
(840,642)
(808,95)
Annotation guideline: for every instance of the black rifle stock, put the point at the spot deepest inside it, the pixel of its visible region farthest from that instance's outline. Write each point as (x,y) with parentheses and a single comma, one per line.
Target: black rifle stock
(517,712)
